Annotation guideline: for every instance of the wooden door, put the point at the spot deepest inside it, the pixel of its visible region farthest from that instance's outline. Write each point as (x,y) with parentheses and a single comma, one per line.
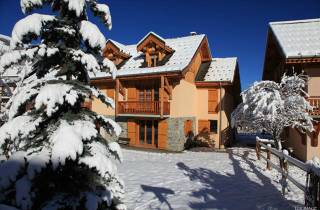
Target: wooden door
(132,132)
(162,134)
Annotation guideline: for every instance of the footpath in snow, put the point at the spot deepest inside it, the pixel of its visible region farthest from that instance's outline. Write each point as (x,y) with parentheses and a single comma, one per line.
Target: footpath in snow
(204,180)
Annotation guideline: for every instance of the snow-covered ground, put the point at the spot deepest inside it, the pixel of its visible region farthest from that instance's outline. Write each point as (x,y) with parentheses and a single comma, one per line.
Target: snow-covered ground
(204,180)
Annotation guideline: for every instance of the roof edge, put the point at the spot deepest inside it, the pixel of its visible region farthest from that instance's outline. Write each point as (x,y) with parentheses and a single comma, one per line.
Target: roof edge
(294,21)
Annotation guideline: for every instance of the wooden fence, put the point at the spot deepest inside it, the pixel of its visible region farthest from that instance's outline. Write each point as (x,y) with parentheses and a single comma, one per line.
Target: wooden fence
(312,187)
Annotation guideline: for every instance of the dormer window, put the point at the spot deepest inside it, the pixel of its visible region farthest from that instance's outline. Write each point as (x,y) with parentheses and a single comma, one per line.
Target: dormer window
(116,52)
(155,50)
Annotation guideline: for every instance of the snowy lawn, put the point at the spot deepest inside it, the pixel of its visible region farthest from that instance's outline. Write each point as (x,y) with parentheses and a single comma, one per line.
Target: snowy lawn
(204,180)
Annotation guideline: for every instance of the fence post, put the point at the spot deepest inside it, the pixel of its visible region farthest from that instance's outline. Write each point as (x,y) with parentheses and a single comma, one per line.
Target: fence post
(258,149)
(269,157)
(284,171)
(312,190)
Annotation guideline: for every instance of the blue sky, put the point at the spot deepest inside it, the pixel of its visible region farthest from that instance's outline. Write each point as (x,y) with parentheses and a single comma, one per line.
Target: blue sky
(234,28)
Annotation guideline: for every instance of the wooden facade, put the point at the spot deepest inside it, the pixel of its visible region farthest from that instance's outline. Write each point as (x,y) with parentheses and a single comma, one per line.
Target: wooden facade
(150,104)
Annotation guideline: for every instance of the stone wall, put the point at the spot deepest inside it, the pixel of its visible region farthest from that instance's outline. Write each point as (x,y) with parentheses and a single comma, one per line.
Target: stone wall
(176,137)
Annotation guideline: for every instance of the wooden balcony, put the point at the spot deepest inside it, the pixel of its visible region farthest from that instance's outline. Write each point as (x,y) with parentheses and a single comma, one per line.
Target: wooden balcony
(315,103)
(143,108)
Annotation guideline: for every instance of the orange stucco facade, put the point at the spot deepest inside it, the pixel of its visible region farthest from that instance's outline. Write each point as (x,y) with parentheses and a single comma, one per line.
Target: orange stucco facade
(188,105)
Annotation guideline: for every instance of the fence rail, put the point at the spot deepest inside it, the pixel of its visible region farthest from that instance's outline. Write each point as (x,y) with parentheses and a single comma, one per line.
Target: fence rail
(312,187)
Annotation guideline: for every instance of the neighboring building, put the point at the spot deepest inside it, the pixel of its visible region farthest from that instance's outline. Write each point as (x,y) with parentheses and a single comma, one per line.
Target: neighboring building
(169,89)
(294,46)
(9,78)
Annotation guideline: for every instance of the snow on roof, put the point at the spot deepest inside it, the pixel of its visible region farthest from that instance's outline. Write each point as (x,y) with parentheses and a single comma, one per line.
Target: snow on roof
(185,48)
(300,38)
(151,33)
(218,70)
(120,46)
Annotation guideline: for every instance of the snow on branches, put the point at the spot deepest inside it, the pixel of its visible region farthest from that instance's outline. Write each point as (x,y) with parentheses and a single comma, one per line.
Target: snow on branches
(271,107)
(28,26)
(91,33)
(52,154)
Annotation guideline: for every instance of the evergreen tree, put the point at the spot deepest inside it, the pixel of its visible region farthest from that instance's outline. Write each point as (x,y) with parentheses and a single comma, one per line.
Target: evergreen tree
(53,156)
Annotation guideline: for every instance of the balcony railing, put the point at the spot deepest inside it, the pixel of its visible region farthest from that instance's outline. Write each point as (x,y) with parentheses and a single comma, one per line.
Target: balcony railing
(143,107)
(315,103)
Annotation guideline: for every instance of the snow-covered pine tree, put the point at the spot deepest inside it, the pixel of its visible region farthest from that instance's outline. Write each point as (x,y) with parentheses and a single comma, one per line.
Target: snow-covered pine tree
(53,156)
(271,107)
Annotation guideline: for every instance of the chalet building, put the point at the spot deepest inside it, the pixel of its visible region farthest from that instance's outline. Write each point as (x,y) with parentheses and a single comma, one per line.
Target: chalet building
(167,90)
(294,46)
(8,79)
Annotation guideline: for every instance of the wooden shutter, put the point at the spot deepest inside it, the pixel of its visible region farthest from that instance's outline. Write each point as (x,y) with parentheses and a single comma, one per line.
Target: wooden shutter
(203,126)
(212,101)
(162,134)
(110,93)
(187,127)
(303,138)
(132,94)
(132,132)
(315,135)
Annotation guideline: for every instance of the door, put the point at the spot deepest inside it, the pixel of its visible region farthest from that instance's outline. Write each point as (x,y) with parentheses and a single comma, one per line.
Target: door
(148,133)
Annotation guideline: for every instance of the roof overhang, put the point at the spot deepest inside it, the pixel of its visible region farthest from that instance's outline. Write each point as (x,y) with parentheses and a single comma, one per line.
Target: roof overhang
(116,49)
(213,84)
(136,77)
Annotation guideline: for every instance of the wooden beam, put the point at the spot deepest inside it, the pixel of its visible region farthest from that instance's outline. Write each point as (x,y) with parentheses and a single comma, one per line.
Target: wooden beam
(167,87)
(161,96)
(117,96)
(122,91)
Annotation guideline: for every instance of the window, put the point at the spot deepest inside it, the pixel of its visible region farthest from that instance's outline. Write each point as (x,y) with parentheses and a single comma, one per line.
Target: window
(148,132)
(213,126)
(212,101)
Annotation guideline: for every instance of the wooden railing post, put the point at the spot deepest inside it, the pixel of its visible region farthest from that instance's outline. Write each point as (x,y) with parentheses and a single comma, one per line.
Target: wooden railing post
(116,99)
(161,96)
(258,149)
(284,172)
(269,157)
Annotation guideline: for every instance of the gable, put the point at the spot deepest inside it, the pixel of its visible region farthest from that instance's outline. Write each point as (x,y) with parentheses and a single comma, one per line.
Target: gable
(184,50)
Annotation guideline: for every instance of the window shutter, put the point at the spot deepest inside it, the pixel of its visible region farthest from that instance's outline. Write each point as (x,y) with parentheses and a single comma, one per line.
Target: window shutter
(162,134)
(132,132)
(203,126)
(187,127)
(212,101)
(132,94)
(110,93)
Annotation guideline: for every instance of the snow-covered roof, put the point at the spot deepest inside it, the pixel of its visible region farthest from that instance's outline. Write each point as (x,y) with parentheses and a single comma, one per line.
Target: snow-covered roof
(298,39)
(218,70)
(151,33)
(184,50)
(120,46)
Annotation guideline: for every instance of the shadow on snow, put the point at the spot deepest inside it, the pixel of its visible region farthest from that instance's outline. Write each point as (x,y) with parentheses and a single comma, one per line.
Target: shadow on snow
(234,191)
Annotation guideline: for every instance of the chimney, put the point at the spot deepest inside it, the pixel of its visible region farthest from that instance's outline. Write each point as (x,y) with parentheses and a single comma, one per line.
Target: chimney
(192,33)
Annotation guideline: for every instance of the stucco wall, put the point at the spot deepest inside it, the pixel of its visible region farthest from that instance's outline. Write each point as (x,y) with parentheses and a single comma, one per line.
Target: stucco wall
(101,108)
(183,103)
(314,81)
(301,151)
